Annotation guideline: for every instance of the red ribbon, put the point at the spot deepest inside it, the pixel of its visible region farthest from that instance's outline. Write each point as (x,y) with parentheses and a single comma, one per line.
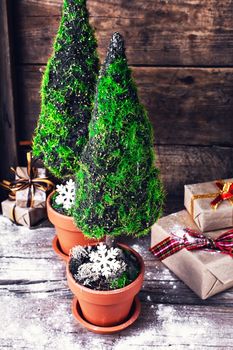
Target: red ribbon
(193,240)
(226,193)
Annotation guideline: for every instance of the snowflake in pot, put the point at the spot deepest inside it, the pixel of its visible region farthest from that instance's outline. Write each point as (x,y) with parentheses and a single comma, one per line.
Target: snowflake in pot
(66,194)
(78,252)
(86,274)
(105,261)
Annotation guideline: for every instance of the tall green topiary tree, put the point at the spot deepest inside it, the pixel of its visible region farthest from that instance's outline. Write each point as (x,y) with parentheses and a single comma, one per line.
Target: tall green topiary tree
(67,92)
(118,188)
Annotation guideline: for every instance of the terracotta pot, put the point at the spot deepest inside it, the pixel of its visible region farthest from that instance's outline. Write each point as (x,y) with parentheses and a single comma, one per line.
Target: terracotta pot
(107,308)
(68,234)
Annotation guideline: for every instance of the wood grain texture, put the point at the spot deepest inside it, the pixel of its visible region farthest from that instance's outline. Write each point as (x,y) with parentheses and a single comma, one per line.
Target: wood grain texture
(8,143)
(175,32)
(195,117)
(182,165)
(36,314)
(186,105)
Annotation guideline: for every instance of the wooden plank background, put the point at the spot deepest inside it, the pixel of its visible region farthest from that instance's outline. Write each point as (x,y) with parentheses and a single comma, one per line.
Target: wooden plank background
(181,53)
(8,143)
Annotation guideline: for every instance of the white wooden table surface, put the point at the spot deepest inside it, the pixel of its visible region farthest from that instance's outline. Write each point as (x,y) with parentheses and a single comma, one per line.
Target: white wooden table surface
(35,303)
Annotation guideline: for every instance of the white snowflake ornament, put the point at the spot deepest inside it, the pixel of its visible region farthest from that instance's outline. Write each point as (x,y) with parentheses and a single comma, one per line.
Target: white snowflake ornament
(66,194)
(105,262)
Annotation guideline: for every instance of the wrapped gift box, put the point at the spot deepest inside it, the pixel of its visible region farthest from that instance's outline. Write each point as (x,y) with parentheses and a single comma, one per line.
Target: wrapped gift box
(23,216)
(206,272)
(23,196)
(198,199)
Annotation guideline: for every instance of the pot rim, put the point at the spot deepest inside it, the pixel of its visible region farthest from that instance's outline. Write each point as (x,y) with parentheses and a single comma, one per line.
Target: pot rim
(115,291)
(53,210)
(65,222)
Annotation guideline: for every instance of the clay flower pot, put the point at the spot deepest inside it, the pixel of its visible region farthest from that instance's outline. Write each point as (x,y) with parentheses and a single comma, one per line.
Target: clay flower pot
(68,234)
(107,308)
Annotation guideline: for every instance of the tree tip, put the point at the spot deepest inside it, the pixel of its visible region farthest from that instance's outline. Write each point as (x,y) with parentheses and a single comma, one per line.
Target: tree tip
(116,48)
(117,38)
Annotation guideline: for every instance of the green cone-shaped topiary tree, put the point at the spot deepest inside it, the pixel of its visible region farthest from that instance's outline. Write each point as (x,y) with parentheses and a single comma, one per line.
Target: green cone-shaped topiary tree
(118,190)
(67,92)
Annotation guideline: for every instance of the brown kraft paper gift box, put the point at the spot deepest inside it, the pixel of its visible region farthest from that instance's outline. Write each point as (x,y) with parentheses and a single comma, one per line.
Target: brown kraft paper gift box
(39,198)
(23,216)
(206,217)
(205,272)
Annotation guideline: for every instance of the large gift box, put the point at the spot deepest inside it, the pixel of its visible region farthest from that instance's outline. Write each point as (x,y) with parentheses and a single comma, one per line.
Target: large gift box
(23,216)
(205,271)
(31,196)
(210,204)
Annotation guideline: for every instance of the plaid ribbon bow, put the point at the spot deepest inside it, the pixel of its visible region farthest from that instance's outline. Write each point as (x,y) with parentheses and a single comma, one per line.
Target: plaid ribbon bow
(193,240)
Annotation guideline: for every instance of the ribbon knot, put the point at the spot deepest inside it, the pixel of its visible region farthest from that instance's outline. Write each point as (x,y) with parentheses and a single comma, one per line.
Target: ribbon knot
(212,243)
(226,193)
(193,240)
(32,182)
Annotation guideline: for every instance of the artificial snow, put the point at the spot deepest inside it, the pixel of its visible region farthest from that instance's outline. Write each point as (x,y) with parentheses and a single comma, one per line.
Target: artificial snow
(35,305)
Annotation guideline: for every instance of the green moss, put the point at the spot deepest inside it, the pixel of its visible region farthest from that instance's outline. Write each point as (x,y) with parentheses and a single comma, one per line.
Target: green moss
(120,282)
(117,180)
(67,92)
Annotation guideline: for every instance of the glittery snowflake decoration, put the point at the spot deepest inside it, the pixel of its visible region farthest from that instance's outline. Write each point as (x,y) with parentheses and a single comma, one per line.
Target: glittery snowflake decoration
(105,261)
(66,194)
(79,252)
(86,274)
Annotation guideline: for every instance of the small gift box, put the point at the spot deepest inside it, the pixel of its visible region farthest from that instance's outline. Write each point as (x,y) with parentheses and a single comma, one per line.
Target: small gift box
(32,195)
(30,187)
(210,204)
(23,216)
(204,263)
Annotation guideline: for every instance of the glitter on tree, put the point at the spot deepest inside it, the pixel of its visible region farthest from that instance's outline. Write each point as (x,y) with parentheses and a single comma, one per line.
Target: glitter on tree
(118,190)
(67,92)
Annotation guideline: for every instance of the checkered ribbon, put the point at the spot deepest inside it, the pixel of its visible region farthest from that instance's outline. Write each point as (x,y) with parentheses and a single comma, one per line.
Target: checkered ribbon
(193,240)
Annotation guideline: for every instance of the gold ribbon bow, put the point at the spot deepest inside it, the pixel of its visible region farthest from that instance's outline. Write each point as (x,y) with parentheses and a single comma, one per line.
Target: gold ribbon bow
(225,193)
(32,182)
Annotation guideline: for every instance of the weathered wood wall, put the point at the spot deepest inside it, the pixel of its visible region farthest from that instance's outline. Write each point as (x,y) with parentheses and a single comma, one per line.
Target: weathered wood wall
(181,52)
(8,143)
